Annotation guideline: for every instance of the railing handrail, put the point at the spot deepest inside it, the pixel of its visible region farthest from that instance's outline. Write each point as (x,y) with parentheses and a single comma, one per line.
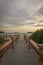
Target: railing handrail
(34,45)
(38,48)
(7,45)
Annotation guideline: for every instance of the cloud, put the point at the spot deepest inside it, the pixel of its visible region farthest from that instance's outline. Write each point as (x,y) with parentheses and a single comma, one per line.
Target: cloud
(41,21)
(40,10)
(20,13)
(19,8)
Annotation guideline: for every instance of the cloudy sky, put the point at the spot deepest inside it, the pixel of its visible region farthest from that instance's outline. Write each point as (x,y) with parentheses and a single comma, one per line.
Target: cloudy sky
(21,15)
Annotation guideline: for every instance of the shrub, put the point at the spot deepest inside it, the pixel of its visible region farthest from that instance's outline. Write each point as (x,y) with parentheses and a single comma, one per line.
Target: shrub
(37,36)
(1,40)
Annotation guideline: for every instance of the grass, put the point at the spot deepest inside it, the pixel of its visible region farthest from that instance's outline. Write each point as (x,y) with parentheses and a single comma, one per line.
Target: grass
(1,40)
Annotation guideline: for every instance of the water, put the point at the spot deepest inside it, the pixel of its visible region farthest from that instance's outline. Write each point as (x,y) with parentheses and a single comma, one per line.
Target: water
(29,34)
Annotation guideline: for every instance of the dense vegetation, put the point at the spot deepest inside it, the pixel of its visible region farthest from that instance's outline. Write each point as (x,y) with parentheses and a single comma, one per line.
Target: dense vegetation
(37,36)
(1,40)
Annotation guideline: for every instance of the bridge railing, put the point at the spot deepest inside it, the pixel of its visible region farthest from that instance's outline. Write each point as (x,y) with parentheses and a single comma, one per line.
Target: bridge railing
(37,47)
(40,54)
(7,45)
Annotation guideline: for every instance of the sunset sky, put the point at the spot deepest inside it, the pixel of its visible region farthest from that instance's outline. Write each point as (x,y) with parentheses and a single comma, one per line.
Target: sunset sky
(21,15)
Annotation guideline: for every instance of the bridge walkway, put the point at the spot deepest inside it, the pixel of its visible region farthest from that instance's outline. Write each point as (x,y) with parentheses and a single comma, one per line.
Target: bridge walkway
(20,54)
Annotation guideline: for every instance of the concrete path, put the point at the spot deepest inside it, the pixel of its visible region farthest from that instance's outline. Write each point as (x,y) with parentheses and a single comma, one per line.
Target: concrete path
(20,55)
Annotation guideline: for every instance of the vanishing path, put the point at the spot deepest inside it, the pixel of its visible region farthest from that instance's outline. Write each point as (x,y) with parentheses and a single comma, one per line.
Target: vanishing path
(20,55)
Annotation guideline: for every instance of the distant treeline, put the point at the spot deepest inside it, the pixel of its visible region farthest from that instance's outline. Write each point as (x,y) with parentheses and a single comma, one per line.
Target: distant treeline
(29,32)
(2,32)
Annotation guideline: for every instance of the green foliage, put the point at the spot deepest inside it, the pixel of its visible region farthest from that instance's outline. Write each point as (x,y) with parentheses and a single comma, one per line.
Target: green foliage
(37,36)
(1,40)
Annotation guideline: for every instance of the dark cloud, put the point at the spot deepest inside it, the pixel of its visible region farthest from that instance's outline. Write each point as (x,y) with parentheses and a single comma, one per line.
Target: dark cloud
(19,10)
(40,11)
(41,21)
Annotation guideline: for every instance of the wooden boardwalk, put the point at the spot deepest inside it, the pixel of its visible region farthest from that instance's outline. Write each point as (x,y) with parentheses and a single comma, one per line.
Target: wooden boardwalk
(20,54)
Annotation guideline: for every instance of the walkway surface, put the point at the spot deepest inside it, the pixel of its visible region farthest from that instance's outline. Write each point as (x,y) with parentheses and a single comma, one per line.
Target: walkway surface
(20,55)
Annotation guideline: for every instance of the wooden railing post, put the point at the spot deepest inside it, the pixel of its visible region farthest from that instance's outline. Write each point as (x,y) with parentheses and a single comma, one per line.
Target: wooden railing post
(17,37)
(12,42)
(25,37)
(29,42)
(40,54)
